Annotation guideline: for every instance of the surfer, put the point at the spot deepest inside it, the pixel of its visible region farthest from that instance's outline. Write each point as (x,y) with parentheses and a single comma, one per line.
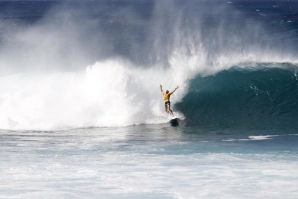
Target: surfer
(166,97)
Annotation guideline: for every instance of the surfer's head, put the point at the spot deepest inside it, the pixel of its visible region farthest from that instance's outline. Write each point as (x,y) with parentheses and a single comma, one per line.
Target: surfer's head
(167,92)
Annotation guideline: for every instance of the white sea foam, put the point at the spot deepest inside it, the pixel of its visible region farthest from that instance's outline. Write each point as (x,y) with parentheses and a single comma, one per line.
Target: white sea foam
(113,163)
(109,93)
(253,137)
(262,137)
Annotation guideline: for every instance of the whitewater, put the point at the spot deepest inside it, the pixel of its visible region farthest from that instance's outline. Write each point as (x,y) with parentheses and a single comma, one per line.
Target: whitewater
(82,116)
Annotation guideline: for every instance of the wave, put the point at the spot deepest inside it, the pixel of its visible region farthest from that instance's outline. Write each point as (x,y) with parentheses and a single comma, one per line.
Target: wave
(112,93)
(72,68)
(259,96)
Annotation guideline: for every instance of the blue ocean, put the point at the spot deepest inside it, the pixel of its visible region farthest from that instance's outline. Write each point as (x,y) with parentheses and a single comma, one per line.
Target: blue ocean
(82,115)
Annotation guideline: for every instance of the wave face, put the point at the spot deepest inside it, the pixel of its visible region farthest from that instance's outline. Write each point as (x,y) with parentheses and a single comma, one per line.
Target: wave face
(260,96)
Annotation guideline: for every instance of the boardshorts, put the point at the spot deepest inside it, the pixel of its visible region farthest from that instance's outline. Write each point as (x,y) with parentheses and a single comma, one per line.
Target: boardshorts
(167,103)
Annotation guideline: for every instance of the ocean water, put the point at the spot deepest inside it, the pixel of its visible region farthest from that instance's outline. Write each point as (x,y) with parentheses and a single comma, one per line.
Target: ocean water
(81,114)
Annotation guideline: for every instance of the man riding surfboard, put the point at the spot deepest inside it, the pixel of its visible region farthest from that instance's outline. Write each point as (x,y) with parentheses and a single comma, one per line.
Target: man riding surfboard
(166,97)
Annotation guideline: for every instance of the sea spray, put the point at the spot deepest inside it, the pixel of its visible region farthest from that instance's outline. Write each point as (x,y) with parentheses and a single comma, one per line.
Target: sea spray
(110,93)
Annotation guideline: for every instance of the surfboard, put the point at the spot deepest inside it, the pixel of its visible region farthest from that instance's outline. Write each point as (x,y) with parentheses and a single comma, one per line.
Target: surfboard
(174,122)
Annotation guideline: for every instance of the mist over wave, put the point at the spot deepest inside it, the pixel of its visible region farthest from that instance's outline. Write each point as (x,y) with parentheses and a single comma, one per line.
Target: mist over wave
(75,67)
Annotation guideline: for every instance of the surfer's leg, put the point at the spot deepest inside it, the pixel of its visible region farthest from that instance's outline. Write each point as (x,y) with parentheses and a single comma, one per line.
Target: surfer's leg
(167,105)
(170,110)
(166,109)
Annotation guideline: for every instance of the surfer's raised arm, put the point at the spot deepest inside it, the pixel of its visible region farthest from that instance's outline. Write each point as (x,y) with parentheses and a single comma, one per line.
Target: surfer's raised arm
(161,89)
(175,89)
